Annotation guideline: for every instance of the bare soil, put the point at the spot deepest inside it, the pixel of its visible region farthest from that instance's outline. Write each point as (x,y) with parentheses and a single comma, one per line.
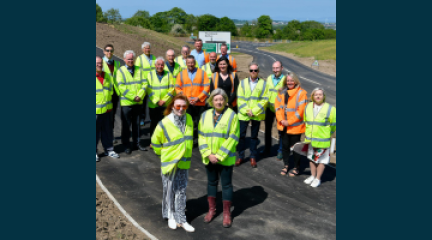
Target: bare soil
(325,66)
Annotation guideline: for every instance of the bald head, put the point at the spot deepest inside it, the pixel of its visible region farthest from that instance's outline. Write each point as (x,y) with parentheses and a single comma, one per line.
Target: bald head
(170,55)
(213,57)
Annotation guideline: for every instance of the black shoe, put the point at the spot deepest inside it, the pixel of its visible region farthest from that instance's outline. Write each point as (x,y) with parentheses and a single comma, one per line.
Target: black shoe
(128,151)
(141,148)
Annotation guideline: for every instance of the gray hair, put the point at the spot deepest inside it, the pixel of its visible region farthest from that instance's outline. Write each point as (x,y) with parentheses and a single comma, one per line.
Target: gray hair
(215,93)
(160,58)
(185,46)
(315,90)
(129,52)
(253,64)
(145,45)
(170,50)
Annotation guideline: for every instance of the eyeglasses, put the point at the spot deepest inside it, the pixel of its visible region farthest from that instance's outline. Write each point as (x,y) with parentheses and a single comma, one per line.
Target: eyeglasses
(253,70)
(110,51)
(181,106)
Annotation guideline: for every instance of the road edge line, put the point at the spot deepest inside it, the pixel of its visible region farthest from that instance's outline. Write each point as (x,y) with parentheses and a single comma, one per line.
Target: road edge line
(124,211)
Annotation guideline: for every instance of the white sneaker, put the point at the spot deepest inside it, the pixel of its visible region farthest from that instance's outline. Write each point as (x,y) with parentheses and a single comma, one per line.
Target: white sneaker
(316,183)
(97,158)
(112,154)
(172,224)
(187,227)
(309,180)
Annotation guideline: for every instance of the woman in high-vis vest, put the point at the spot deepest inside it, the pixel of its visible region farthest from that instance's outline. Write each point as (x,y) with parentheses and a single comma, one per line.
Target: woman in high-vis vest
(173,142)
(219,132)
(225,78)
(290,106)
(320,118)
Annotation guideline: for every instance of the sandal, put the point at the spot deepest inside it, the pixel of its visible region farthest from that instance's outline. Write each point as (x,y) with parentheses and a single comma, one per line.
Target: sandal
(284,171)
(294,172)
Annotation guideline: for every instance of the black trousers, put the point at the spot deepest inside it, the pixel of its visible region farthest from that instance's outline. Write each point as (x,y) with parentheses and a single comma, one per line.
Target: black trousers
(131,118)
(216,171)
(156,115)
(287,142)
(104,131)
(115,100)
(144,109)
(196,112)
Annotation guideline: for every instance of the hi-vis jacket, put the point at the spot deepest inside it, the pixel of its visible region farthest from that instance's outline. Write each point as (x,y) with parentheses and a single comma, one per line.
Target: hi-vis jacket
(103,95)
(256,101)
(176,71)
(160,90)
(131,87)
(319,129)
(145,64)
(198,88)
(221,140)
(174,147)
(293,111)
(274,91)
(182,62)
(215,78)
(114,75)
(207,69)
(231,59)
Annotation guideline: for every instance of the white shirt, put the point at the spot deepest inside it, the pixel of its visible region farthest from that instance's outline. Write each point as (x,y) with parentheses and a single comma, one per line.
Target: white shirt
(253,84)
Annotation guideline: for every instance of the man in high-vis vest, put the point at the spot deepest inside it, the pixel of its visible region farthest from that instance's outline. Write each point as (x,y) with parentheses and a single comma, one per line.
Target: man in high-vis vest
(181,60)
(111,67)
(200,55)
(132,84)
(274,83)
(252,96)
(224,53)
(195,85)
(210,67)
(104,91)
(147,63)
(170,65)
(161,91)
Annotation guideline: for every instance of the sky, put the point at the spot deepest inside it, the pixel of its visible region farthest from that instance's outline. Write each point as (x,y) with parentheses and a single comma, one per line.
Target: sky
(318,10)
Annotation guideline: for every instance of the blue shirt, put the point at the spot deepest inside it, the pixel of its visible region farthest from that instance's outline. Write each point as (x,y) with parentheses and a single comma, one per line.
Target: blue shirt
(192,74)
(150,60)
(227,56)
(131,70)
(199,57)
(277,80)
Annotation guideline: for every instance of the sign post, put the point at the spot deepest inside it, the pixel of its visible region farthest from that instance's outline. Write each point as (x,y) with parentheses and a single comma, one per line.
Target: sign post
(213,40)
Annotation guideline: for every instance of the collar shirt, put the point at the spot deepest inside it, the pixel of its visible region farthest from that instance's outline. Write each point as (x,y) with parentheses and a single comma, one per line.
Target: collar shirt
(149,59)
(253,84)
(199,57)
(110,62)
(276,80)
(192,74)
(212,66)
(227,56)
(131,70)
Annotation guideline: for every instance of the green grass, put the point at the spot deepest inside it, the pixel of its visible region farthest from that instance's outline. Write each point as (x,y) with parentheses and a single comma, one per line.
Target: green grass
(320,50)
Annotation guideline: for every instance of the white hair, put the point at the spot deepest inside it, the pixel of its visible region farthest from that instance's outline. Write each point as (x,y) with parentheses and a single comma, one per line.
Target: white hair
(160,58)
(170,50)
(145,45)
(129,52)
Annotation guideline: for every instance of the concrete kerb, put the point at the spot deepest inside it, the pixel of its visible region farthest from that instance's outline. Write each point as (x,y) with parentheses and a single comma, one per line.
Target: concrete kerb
(124,211)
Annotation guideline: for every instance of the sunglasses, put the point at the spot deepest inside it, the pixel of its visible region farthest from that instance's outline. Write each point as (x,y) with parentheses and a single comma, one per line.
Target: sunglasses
(110,51)
(253,70)
(180,107)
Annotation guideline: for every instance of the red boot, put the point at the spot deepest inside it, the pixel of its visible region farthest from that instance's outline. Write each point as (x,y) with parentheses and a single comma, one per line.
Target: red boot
(227,214)
(212,209)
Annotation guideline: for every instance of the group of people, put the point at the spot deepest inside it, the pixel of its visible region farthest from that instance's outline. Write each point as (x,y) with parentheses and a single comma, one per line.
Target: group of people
(197,99)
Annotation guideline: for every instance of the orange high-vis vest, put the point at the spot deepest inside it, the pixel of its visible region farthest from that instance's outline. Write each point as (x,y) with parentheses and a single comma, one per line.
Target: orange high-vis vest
(216,82)
(293,112)
(198,88)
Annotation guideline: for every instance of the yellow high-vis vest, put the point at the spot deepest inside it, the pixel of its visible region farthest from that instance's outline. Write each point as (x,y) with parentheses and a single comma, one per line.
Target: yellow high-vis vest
(145,65)
(221,140)
(160,90)
(273,90)
(182,62)
(174,147)
(207,69)
(256,100)
(114,75)
(104,94)
(177,69)
(131,87)
(319,129)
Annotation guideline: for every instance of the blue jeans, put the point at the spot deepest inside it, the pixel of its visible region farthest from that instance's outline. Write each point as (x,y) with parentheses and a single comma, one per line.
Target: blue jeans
(254,138)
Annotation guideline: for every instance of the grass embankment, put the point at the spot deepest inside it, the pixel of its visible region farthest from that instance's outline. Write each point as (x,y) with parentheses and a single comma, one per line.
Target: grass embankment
(320,50)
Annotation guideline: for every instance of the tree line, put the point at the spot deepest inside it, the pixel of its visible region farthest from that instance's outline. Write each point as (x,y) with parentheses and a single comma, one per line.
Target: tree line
(178,23)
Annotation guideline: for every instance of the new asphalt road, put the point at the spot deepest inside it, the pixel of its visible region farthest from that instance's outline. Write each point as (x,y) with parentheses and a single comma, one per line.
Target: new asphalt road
(266,205)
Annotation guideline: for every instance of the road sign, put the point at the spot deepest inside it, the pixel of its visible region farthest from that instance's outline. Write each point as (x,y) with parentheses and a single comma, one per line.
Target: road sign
(216,38)
(316,64)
